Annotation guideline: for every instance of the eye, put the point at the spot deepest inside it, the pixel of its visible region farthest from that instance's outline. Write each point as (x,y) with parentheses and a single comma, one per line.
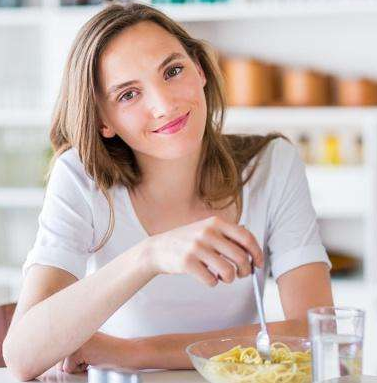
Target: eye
(129,95)
(174,71)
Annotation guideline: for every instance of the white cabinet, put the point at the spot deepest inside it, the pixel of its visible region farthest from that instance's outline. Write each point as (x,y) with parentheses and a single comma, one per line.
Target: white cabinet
(332,35)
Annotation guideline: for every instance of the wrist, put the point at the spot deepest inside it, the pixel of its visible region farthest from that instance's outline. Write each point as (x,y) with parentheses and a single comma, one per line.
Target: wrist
(146,258)
(133,353)
(138,261)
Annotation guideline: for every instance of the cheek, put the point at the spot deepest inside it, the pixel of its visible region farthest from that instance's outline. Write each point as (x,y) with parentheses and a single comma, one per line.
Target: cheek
(130,125)
(191,91)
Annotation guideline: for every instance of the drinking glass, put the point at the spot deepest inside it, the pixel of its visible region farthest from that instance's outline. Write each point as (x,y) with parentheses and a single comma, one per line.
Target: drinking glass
(336,335)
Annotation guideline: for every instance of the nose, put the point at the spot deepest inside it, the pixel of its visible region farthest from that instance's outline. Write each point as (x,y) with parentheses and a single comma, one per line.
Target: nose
(161,102)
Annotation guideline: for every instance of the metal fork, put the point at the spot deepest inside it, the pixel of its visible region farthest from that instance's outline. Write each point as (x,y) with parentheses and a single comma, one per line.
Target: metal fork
(263,339)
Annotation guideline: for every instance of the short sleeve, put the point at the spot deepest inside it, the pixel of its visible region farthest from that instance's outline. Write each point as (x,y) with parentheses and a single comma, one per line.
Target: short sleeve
(293,234)
(65,232)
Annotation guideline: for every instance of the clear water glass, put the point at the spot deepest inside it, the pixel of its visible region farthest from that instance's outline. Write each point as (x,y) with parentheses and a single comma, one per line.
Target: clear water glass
(336,336)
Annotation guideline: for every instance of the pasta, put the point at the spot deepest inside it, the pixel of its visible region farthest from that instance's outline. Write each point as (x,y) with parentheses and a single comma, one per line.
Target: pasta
(245,365)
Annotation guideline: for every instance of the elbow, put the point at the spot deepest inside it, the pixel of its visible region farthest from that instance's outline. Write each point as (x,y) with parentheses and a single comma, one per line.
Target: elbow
(16,362)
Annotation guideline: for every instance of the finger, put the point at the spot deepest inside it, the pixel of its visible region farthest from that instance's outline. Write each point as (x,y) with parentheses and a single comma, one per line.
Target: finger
(59,365)
(70,365)
(225,270)
(244,238)
(232,251)
(199,270)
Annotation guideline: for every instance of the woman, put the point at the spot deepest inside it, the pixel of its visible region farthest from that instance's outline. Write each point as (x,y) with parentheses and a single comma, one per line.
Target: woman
(152,218)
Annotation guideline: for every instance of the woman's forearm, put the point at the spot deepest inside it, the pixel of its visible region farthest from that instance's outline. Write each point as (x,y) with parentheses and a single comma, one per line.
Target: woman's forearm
(60,324)
(168,351)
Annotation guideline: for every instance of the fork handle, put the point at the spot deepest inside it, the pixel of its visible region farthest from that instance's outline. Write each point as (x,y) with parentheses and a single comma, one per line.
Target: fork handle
(258,299)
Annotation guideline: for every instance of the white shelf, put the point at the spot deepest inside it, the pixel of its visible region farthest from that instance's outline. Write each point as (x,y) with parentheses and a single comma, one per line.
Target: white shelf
(21,197)
(195,12)
(336,192)
(266,9)
(24,117)
(241,118)
(21,16)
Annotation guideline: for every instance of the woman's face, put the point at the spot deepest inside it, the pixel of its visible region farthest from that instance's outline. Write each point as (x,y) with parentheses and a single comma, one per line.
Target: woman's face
(147,80)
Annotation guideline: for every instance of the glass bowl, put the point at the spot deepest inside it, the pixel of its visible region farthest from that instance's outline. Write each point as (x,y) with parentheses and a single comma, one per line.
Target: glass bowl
(231,372)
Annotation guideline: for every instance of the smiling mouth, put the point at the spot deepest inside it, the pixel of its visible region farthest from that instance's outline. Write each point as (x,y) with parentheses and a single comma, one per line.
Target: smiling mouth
(173,126)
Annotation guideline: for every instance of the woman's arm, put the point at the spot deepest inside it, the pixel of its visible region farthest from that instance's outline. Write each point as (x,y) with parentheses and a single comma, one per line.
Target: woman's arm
(64,321)
(305,287)
(161,351)
(300,289)
(168,351)
(61,323)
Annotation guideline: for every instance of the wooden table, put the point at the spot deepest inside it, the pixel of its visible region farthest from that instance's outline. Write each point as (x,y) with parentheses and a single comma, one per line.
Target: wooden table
(53,376)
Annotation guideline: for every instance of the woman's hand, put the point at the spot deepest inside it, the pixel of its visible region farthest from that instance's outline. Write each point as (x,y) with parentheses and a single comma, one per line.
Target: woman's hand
(89,353)
(209,249)
(100,349)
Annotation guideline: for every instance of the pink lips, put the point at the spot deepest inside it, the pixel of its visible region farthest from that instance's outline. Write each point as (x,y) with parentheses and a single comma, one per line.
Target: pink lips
(174,126)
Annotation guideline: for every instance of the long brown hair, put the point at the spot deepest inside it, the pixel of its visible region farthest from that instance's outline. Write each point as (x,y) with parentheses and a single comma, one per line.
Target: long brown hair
(111,161)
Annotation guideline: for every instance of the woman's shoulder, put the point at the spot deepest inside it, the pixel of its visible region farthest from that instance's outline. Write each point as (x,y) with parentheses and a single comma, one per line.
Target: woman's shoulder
(70,159)
(273,156)
(281,151)
(68,171)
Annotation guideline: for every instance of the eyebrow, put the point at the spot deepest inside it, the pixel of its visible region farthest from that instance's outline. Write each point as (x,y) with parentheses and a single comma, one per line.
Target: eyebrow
(170,58)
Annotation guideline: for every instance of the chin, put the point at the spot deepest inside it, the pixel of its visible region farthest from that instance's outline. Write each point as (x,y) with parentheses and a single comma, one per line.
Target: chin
(174,152)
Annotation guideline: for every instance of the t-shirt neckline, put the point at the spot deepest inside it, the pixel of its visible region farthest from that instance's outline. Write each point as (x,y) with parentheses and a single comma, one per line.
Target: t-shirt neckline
(136,221)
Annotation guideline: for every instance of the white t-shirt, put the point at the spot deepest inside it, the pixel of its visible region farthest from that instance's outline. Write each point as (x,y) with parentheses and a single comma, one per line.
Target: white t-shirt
(277,209)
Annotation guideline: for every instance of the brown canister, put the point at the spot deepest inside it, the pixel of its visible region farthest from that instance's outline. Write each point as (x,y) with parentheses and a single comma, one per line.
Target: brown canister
(302,87)
(356,92)
(247,82)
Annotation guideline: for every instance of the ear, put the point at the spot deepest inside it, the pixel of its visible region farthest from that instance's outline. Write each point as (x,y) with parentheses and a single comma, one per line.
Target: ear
(107,132)
(201,73)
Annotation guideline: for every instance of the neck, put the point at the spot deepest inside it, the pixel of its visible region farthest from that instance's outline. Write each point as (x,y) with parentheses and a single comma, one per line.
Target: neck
(169,182)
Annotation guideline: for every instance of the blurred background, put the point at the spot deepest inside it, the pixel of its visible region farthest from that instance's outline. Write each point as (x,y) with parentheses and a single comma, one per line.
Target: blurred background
(306,68)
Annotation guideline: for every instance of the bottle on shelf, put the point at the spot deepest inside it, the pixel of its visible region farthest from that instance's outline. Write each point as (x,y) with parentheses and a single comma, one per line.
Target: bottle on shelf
(304,147)
(331,155)
(358,149)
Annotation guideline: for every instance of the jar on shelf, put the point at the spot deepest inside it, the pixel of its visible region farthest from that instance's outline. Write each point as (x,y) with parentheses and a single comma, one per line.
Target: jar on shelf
(356,92)
(247,81)
(303,87)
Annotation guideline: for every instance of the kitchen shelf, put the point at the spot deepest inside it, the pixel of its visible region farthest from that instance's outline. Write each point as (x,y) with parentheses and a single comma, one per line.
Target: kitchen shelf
(196,12)
(24,117)
(338,191)
(266,9)
(21,16)
(334,36)
(280,117)
(21,197)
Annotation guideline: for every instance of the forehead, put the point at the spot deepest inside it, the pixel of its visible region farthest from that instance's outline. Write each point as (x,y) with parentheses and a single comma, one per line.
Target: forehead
(139,48)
